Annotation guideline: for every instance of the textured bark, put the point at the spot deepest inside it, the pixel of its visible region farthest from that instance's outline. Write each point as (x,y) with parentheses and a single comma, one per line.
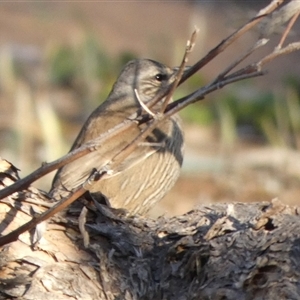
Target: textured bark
(221,251)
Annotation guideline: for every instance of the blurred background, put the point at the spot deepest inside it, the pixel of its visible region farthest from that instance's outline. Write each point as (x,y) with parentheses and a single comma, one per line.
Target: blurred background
(58,61)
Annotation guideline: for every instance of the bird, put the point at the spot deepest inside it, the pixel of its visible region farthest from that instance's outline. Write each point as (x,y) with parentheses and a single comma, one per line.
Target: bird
(150,171)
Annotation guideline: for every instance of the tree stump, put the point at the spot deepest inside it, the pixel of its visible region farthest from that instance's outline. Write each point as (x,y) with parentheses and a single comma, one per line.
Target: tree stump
(220,251)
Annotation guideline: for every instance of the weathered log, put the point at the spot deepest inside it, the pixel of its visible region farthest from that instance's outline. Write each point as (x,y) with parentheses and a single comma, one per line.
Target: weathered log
(220,251)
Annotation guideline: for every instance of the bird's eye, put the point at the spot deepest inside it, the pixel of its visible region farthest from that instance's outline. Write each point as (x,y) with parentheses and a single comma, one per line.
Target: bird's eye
(160,77)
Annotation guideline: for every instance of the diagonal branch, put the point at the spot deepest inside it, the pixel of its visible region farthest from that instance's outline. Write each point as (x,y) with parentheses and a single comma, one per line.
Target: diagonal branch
(59,206)
(75,154)
(231,39)
(189,48)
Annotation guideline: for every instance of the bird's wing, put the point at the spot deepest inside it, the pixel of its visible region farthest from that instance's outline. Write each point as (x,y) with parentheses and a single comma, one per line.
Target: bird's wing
(136,157)
(75,174)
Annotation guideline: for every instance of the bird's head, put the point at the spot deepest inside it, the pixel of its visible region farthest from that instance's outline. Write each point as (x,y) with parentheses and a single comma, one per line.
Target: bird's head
(146,76)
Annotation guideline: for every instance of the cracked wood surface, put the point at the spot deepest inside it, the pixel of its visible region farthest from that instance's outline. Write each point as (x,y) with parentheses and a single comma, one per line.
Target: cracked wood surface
(220,251)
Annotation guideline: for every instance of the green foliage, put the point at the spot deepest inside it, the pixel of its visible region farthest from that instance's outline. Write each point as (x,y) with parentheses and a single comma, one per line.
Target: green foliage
(62,66)
(248,110)
(86,68)
(198,113)
(273,116)
(88,60)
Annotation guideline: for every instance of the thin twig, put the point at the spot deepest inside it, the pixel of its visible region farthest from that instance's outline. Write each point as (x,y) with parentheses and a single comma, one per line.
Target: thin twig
(258,44)
(199,94)
(188,49)
(75,154)
(81,225)
(167,90)
(13,236)
(278,52)
(59,206)
(278,18)
(230,39)
(288,29)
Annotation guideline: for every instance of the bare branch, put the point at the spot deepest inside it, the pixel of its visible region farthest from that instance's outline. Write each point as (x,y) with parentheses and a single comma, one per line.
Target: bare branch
(59,206)
(276,19)
(288,29)
(258,44)
(200,94)
(278,52)
(189,48)
(75,154)
(230,39)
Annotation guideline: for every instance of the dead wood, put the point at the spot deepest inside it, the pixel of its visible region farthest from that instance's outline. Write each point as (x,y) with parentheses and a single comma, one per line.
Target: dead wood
(220,251)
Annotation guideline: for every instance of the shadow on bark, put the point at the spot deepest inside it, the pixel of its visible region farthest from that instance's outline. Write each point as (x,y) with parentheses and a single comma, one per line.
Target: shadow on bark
(220,251)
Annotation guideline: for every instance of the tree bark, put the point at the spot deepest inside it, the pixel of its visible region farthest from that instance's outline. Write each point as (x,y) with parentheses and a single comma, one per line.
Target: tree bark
(218,251)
